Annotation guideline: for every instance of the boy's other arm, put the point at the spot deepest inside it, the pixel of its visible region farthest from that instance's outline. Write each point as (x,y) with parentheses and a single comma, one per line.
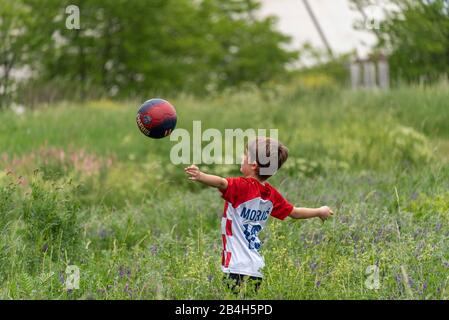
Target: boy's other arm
(305,213)
(195,174)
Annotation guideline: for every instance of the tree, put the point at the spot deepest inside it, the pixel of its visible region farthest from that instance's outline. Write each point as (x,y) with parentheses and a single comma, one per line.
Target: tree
(131,47)
(416,37)
(14,44)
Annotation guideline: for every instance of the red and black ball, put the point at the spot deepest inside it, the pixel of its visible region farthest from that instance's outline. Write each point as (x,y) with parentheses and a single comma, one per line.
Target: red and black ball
(156,118)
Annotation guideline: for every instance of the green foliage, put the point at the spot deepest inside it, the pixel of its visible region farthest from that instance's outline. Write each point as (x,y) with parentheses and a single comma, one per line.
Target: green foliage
(130,48)
(107,199)
(51,227)
(416,38)
(6,217)
(14,47)
(429,207)
(334,68)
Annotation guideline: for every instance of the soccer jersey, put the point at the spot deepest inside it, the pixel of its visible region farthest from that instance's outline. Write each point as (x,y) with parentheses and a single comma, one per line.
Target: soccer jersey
(248,205)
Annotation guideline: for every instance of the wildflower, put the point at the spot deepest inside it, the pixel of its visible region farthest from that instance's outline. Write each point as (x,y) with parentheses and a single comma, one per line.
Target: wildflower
(355,237)
(318,238)
(411,283)
(103,233)
(154,249)
(61,277)
(124,271)
(397,277)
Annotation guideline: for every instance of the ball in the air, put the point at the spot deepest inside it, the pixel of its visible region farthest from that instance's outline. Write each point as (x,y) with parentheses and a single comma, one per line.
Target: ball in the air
(156,118)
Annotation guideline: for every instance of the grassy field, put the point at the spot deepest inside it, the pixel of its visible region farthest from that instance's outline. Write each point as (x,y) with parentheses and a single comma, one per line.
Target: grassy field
(80,185)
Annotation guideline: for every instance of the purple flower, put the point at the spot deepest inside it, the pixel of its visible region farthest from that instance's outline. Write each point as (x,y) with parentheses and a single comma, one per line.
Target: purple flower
(124,271)
(446,264)
(318,283)
(423,288)
(313,265)
(411,283)
(128,290)
(355,237)
(397,277)
(103,233)
(344,219)
(154,249)
(61,277)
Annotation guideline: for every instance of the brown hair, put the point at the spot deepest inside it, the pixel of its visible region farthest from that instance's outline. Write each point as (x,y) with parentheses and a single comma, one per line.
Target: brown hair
(263,148)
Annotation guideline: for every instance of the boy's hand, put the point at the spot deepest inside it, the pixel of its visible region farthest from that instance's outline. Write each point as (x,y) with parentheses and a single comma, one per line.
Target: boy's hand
(324,213)
(193,172)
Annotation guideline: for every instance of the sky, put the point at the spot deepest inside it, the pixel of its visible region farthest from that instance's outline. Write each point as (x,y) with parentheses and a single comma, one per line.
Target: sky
(336,19)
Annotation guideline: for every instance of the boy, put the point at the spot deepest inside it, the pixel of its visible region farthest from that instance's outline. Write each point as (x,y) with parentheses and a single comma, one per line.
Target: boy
(250,200)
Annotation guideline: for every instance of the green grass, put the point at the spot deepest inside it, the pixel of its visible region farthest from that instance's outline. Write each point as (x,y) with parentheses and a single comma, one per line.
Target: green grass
(80,185)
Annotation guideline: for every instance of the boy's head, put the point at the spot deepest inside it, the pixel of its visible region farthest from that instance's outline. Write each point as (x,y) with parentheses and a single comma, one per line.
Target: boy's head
(263,157)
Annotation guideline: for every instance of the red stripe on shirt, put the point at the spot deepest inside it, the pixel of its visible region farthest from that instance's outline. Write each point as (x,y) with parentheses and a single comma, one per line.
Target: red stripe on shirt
(228,259)
(223,237)
(223,257)
(225,209)
(228,227)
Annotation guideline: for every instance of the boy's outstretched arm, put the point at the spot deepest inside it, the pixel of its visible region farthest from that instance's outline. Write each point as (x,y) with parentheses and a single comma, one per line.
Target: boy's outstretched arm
(305,213)
(195,174)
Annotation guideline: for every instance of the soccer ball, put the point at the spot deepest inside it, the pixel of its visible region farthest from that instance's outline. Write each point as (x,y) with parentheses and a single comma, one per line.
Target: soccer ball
(156,118)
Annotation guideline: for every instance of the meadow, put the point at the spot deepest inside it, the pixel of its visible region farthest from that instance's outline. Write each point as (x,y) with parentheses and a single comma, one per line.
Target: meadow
(80,185)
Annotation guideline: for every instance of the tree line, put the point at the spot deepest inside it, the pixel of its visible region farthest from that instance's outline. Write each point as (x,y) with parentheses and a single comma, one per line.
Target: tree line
(126,48)
(130,47)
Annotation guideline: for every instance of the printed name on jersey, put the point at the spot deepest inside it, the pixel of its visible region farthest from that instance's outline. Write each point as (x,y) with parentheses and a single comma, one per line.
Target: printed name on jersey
(254,215)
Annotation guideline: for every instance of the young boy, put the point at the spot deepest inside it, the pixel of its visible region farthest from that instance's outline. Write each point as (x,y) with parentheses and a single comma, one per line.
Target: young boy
(249,201)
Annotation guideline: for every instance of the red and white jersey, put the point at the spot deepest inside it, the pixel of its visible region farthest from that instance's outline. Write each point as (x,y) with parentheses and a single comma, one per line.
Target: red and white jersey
(248,205)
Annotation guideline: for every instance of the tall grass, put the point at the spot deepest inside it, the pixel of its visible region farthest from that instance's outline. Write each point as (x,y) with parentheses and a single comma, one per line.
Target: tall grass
(81,186)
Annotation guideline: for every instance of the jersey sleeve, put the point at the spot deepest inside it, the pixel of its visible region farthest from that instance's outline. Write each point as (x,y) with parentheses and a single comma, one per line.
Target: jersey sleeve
(236,188)
(281,207)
